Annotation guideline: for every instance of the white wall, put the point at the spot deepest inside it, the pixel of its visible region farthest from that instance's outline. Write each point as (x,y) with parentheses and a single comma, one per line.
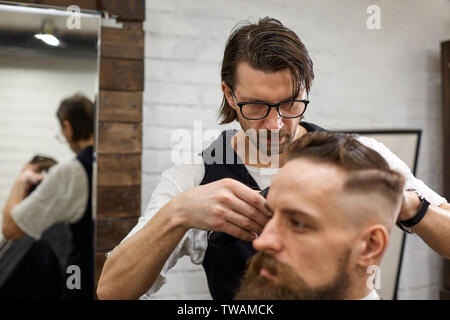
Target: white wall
(365,79)
(31,88)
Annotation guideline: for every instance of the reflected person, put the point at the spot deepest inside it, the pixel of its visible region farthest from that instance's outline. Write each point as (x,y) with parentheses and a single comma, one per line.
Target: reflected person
(63,195)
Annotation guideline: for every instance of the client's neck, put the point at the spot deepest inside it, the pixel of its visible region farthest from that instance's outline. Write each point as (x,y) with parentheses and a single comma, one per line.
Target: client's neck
(358,291)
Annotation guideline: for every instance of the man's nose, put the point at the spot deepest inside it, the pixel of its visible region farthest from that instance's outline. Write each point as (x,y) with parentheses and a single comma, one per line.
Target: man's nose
(269,240)
(273,121)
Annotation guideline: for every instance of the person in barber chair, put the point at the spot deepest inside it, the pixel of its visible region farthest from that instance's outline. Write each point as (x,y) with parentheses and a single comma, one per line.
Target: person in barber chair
(333,205)
(63,195)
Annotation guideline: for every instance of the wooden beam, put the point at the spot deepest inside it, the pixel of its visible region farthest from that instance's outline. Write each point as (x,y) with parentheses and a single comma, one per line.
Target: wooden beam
(119,138)
(125,10)
(119,170)
(122,75)
(445,68)
(110,232)
(445,59)
(444,295)
(446,278)
(122,43)
(100,259)
(120,106)
(118,202)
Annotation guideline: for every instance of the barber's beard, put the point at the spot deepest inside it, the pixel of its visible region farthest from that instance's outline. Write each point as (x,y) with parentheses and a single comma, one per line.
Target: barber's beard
(280,140)
(289,285)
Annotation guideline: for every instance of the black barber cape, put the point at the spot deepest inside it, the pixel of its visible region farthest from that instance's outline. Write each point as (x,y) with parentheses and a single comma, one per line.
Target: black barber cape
(36,269)
(224,266)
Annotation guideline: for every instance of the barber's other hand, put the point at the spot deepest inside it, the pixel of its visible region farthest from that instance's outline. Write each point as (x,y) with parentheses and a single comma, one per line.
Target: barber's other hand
(410,205)
(225,205)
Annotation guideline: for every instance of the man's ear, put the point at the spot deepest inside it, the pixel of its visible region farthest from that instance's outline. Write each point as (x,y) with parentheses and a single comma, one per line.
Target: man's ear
(373,244)
(227,94)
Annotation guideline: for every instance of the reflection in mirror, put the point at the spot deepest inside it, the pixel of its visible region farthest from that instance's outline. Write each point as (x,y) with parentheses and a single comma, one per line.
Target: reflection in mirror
(48,89)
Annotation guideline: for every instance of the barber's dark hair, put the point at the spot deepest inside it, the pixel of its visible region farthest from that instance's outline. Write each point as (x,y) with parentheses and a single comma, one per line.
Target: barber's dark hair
(79,111)
(368,170)
(267,46)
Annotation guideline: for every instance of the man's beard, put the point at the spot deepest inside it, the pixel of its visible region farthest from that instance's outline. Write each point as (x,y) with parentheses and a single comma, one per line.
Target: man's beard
(289,285)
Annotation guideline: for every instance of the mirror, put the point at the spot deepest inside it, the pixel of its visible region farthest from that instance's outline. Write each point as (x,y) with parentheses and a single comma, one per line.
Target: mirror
(49,62)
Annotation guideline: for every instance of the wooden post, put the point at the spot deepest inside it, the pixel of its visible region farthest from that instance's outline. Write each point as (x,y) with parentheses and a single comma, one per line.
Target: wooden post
(119,145)
(445,59)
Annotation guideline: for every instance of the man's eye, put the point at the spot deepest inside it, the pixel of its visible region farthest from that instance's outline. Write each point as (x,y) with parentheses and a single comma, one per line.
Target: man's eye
(297,224)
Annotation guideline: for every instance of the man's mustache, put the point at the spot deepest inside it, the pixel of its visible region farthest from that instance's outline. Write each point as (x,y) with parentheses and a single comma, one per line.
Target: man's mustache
(262,260)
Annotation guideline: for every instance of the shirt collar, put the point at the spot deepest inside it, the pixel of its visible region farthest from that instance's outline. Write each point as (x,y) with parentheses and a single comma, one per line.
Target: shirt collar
(373,295)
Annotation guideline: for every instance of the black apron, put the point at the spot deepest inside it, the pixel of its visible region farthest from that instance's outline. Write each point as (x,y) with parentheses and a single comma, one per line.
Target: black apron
(82,254)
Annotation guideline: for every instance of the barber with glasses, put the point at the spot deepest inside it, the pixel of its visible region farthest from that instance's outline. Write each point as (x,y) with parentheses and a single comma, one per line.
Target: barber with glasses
(266,77)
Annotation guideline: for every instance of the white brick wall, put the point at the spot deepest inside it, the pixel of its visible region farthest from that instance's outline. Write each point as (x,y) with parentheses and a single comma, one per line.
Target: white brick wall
(381,79)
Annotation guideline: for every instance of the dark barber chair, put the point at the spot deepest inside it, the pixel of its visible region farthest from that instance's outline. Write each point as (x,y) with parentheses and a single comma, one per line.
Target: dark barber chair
(34,269)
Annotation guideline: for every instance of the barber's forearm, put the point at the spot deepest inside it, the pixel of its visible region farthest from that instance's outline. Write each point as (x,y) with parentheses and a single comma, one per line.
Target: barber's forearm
(434,229)
(134,265)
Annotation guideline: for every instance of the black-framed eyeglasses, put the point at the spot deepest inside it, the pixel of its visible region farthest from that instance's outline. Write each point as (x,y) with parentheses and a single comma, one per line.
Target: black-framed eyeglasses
(289,109)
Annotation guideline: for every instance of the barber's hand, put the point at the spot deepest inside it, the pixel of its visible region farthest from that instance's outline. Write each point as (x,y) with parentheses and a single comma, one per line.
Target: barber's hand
(29,176)
(225,205)
(410,205)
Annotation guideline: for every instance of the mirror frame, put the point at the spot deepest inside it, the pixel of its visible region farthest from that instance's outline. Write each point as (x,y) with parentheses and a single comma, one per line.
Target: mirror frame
(445,69)
(118,128)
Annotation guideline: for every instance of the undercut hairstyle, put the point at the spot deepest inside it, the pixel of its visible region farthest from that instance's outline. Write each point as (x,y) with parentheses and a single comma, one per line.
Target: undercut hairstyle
(79,111)
(368,172)
(266,46)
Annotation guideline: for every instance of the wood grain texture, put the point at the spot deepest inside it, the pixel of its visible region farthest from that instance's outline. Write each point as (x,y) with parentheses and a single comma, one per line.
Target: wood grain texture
(445,295)
(445,69)
(135,25)
(110,232)
(445,58)
(100,259)
(122,75)
(119,170)
(122,43)
(120,106)
(119,145)
(83,4)
(125,10)
(446,278)
(120,138)
(118,202)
